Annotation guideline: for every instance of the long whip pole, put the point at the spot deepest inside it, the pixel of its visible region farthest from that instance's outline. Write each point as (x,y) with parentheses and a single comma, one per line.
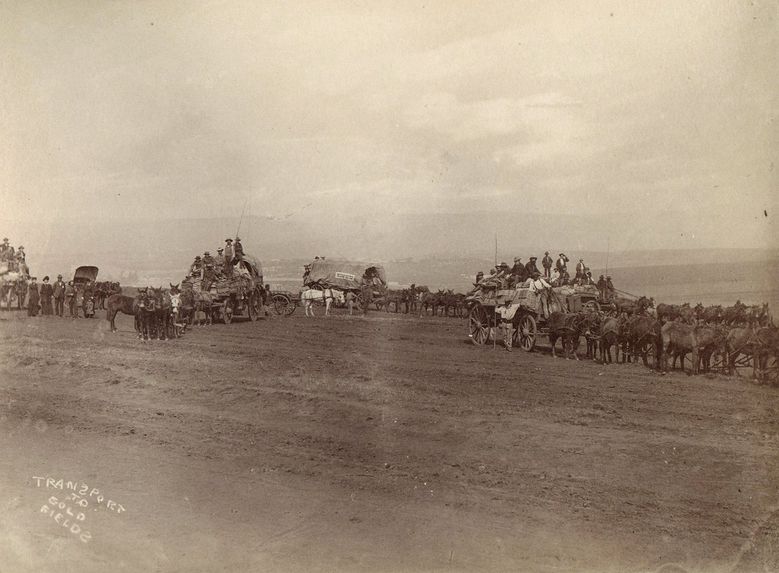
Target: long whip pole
(241,219)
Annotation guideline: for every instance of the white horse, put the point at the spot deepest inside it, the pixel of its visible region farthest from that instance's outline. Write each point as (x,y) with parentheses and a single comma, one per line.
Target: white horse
(327,296)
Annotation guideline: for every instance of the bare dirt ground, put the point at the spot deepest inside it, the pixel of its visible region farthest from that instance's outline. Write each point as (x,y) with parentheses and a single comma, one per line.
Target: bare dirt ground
(378,444)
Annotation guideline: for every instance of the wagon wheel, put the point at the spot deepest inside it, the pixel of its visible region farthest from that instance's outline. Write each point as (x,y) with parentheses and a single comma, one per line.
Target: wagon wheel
(743,365)
(227,312)
(282,304)
(254,306)
(525,333)
(771,372)
(478,325)
(358,299)
(591,306)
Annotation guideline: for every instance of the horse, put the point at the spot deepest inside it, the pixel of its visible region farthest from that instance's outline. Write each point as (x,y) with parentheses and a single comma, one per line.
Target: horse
(568,327)
(145,314)
(327,296)
(430,299)
(163,314)
(394,297)
(118,303)
(735,315)
(609,336)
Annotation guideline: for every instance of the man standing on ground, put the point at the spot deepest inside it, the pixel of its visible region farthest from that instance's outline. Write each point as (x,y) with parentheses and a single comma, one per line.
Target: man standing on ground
(88,300)
(33,298)
(366,289)
(350,301)
(70,297)
(59,295)
(46,293)
(505,322)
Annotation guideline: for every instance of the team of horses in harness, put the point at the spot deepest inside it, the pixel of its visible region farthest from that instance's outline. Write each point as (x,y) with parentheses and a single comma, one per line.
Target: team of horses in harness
(160,314)
(717,338)
(420,300)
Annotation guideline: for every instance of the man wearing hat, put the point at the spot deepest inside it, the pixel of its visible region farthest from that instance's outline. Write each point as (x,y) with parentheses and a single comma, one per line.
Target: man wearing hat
(580,266)
(531,267)
(208,260)
(229,252)
(59,295)
(540,288)
(366,290)
(88,300)
(33,297)
(209,276)
(219,262)
(21,261)
(196,270)
(609,288)
(562,264)
(602,287)
(517,266)
(46,293)
(238,250)
(71,296)
(506,318)
(547,262)
(5,249)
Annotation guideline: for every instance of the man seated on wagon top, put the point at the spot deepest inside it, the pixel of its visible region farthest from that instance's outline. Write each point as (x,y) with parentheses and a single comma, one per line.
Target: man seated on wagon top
(196,270)
(5,250)
(541,288)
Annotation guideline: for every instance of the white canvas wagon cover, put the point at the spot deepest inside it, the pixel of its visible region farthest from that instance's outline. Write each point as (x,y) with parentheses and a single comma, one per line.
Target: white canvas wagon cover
(342,274)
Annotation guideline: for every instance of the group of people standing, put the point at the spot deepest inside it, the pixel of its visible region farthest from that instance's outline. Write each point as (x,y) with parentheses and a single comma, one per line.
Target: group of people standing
(209,268)
(51,299)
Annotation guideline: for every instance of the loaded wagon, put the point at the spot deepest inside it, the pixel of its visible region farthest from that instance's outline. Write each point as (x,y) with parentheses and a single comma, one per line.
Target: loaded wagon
(526,313)
(344,276)
(239,294)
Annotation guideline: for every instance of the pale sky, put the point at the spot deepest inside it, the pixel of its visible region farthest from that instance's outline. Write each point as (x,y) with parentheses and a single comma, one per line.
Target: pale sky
(629,110)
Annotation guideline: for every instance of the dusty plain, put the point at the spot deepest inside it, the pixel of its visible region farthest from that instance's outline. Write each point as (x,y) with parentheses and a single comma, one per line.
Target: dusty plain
(386,443)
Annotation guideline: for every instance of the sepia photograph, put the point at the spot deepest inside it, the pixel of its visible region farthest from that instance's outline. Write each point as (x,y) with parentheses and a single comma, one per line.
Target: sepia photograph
(389,286)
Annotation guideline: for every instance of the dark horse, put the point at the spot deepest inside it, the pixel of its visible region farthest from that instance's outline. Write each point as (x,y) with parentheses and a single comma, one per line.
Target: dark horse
(145,314)
(118,303)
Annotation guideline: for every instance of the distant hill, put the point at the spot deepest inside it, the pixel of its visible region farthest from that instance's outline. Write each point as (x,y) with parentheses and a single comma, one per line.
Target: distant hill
(159,249)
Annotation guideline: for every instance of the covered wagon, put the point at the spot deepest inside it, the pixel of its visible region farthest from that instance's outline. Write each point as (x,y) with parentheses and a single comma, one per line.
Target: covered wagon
(345,276)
